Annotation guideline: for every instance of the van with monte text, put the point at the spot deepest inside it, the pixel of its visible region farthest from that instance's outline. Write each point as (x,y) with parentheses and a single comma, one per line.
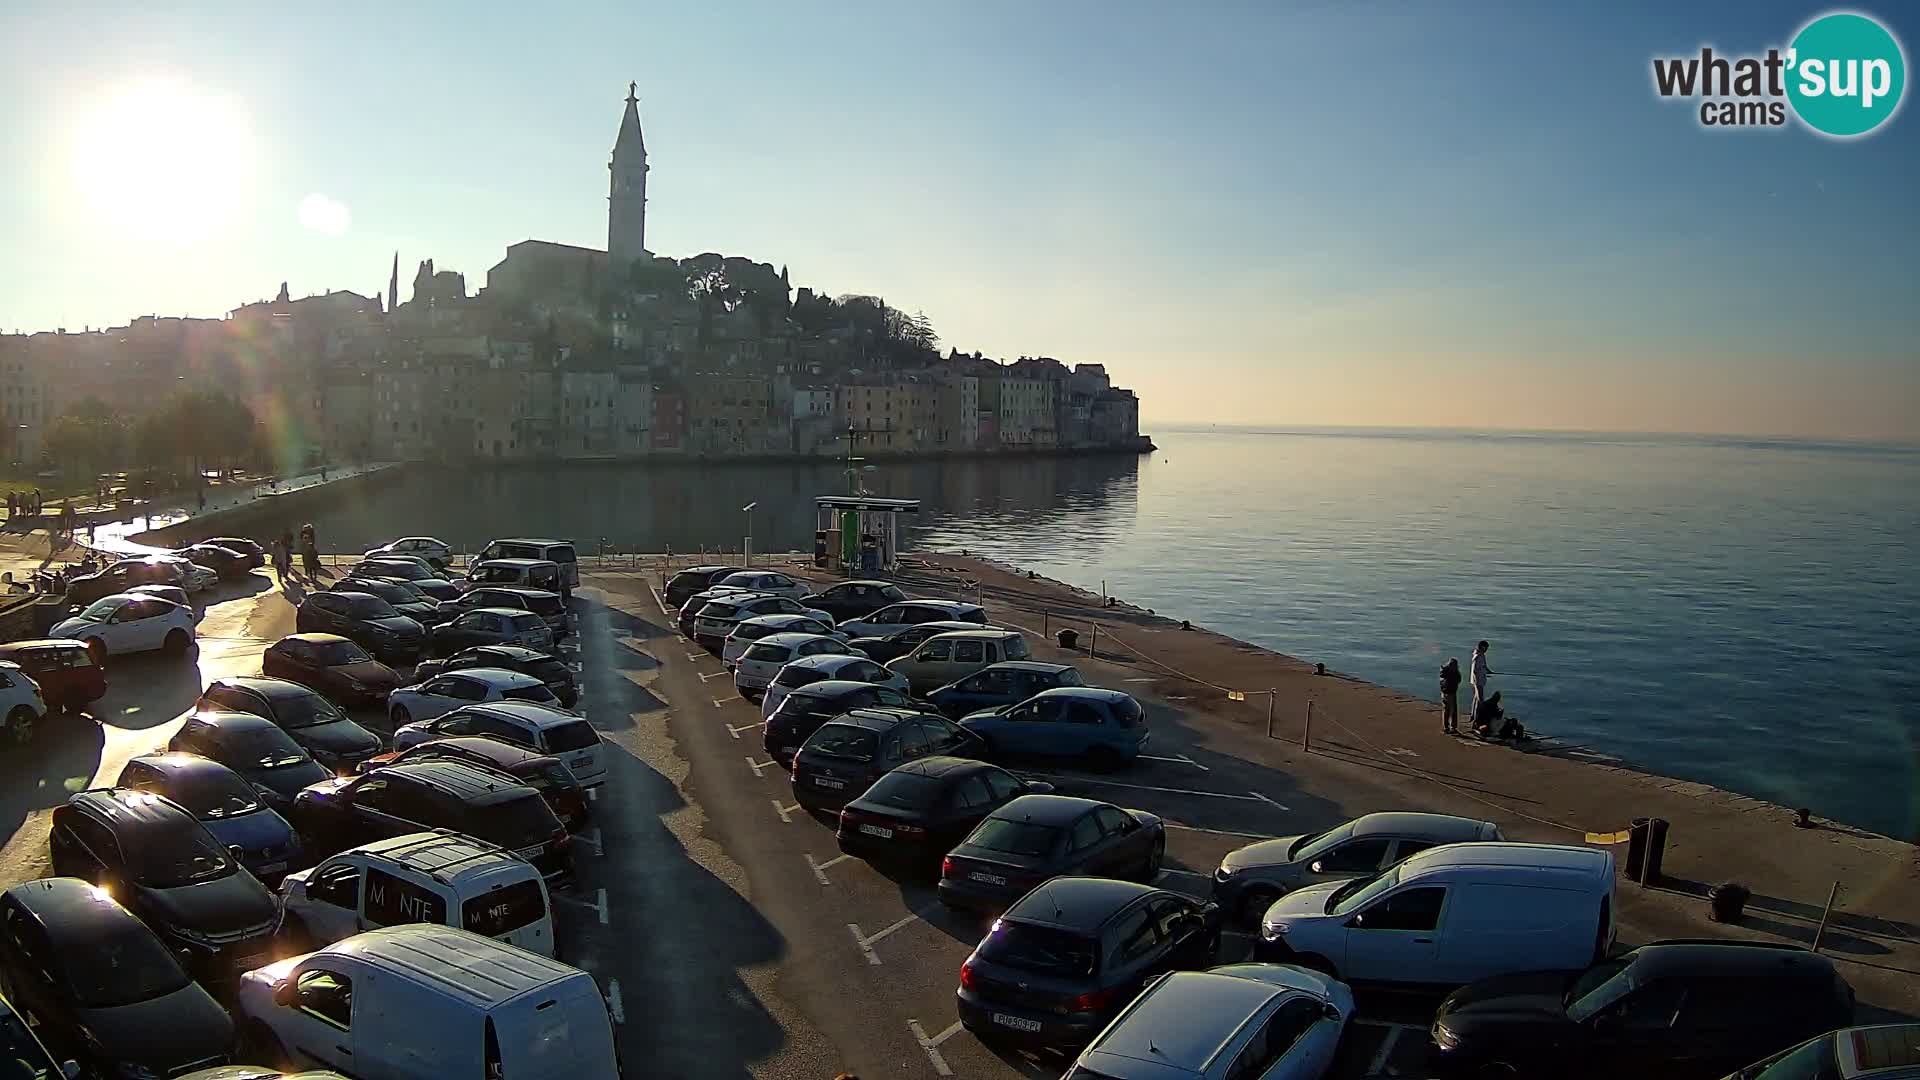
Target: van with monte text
(423,1002)
(556,551)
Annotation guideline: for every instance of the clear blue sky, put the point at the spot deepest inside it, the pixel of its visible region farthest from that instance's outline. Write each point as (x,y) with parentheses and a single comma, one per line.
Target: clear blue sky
(1368,213)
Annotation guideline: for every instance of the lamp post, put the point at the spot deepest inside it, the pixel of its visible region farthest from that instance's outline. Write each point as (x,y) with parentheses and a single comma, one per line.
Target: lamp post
(746,544)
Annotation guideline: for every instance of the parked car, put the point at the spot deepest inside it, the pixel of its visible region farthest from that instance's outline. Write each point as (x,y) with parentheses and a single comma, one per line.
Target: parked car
(421,796)
(20,703)
(771,582)
(20,1045)
(547,668)
(65,670)
(443,878)
(434,573)
(417,606)
(467,686)
(120,576)
(490,626)
(952,656)
(904,640)
(224,802)
(442,610)
(1068,956)
(436,552)
(1687,1009)
(541,602)
(405,1003)
(103,988)
(843,758)
(537,727)
(193,577)
(407,570)
(690,610)
(315,723)
(1451,915)
(172,594)
(520,573)
(803,709)
(923,809)
(540,771)
(255,554)
(907,613)
(1104,728)
(1251,878)
(230,565)
(154,856)
(129,623)
(331,664)
(1036,837)
(764,659)
(692,580)
(832,667)
(854,599)
(748,631)
(558,552)
(255,748)
(1252,1021)
(1000,685)
(368,620)
(1881,1052)
(720,615)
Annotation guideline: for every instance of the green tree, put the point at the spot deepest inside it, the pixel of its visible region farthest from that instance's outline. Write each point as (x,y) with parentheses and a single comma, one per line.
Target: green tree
(86,440)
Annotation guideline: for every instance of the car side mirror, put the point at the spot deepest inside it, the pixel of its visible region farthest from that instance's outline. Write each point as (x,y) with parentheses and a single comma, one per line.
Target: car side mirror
(1356,922)
(283,994)
(185,956)
(1330,1011)
(74,610)
(1039,787)
(236,851)
(1318,867)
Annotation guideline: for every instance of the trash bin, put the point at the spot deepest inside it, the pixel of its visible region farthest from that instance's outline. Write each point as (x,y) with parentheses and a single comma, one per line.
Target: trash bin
(1067,638)
(1646,845)
(1728,901)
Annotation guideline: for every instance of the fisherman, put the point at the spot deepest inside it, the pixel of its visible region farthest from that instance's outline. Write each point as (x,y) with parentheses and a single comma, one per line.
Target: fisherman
(1450,697)
(1490,713)
(1479,678)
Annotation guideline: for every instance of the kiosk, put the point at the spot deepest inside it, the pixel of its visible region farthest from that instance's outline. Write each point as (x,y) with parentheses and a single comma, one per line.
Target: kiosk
(859,534)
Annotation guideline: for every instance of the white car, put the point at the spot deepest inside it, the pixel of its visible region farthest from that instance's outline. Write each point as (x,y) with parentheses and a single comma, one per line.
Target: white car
(436,552)
(542,729)
(467,686)
(812,669)
(130,622)
(764,658)
(720,616)
(194,576)
(172,593)
(1270,1021)
(20,702)
(751,630)
(764,581)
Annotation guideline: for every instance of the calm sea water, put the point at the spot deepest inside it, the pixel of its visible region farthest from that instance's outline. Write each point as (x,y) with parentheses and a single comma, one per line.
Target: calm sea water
(1739,612)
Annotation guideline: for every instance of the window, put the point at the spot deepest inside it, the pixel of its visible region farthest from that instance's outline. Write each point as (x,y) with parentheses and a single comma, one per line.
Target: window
(1115,821)
(942,738)
(911,741)
(1409,909)
(1653,1007)
(1358,856)
(969,651)
(1084,712)
(1411,847)
(504,910)
(1044,710)
(997,681)
(392,900)
(1275,1037)
(1015,647)
(326,996)
(1003,785)
(1134,937)
(1086,833)
(935,651)
(96,838)
(971,793)
(337,884)
(231,699)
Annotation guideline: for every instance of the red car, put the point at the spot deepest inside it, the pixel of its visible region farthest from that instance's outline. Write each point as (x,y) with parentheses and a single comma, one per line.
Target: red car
(66,672)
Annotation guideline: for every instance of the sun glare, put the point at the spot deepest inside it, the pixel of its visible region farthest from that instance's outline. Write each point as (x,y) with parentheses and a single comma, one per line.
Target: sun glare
(162,160)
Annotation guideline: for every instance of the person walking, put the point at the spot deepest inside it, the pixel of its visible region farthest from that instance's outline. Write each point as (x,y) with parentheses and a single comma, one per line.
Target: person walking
(1481,672)
(310,552)
(284,548)
(1450,697)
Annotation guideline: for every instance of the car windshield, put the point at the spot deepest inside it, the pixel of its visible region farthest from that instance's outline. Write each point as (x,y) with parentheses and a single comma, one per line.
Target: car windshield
(754,631)
(795,675)
(495,573)
(342,653)
(178,854)
(547,670)
(1817,1060)
(1308,847)
(265,747)
(1014,837)
(101,609)
(908,791)
(1598,987)
(552,776)
(537,693)
(213,794)
(371,607)
(572,735)
(512,822)
(407,570)
(717,610)
(392,594)
(844,741)
(126,965)
(768,654)
(306,710)
(510,550)
(1043,950)
(544,604)
(1359,893)
(528,622)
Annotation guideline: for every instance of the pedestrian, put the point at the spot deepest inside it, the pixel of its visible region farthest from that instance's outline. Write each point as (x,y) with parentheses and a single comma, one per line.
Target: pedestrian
(1450,697)
(310,551)
(285,549)
(13,505)
(1481,672)
(203,500)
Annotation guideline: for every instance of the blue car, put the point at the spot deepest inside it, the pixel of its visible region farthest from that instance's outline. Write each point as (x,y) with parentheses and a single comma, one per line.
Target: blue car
(1006,683)
(231,809)
(1104,728)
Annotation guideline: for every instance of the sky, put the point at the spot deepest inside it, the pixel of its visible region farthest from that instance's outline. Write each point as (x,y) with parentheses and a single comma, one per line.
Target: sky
(1369,213)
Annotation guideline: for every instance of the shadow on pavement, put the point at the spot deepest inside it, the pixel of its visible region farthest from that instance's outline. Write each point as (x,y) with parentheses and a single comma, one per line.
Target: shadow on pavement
(61,759)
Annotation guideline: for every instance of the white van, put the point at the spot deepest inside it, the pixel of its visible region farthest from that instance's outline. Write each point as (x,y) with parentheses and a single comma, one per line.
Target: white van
(441,877)
(559,551)
(422,1002)
(543,574)
(1450,915)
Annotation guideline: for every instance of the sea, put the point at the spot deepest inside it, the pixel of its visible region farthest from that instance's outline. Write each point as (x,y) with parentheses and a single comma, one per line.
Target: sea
(1741,612)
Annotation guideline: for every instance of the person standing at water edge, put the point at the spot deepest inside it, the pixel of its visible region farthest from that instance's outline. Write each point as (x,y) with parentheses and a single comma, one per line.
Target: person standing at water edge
(1479,678)
(1450,697)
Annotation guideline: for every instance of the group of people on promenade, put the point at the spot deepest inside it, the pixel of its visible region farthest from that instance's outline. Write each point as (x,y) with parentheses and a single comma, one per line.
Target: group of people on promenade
(23,504)
(309,549)
(1488,717)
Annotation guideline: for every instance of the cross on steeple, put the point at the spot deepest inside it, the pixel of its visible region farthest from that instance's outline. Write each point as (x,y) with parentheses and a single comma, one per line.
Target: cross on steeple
(632,95)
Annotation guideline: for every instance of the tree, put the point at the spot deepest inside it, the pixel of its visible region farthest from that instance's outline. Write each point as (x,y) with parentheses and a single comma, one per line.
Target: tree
(87,439)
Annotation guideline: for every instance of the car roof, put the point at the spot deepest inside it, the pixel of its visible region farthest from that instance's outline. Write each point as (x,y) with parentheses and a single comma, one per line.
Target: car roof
(1086,693)
(516,590)
(176,764)
(949,605)
(442,854)
(876,717)
(506,755)
(511,652)
(315,639)
(476,970)
(828,688)
(1053,810)
(1187,1019)
(1039,666)
(40,643)
(1533,860)
(353,593)
(875,582)
(510,612)
(1737,959)
(827,662)
(1891,1051)
(1444,828)
(779,618)
(1077,903)
(234,721)
(76,906)
(941,765)
(529,540)
(531,712)
(128,806)
(517,562)
(709,570)
(457,778)
(272,689)
(792,640)
(976,632)
(428,539)
(934,624)
(500,677)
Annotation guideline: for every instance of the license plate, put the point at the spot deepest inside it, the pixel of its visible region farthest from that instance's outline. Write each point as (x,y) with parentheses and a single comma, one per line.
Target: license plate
(1017,1023)
(987,879)
(829,783)
(272,867)
(530,852)
(582,760)
(877,830)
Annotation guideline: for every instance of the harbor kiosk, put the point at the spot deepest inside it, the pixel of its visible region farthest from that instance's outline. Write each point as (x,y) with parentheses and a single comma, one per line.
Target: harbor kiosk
(858,534)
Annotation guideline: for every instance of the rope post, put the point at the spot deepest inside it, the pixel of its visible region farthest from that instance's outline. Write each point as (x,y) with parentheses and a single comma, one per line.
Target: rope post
(1046,625)
(1271,696)
(1093,641)
(1306,734)
(1825,913)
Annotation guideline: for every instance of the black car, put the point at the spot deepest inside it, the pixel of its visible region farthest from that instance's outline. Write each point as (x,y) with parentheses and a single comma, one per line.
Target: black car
(229,564)
(231,808)
(852,599)
(256,555)
(544,773)
(1075,951)
(1036,837)
(364,619)
(101,987)
(407,570)
(256,748)
(903,641)
(542,602)
(547,668)
(843,758)
(331,664)
(309,719)
(419,796)
(419,607)
(153,855)
(692,580)
(804,708)
(121,576)
(19,1044)
(1679,1009)
(920,810)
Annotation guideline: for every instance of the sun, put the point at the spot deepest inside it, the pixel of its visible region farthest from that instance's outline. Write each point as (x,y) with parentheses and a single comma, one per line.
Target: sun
(162,159)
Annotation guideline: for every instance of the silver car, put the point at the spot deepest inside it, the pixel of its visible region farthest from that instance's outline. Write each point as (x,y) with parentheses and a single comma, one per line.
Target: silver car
(1250,879)
(1264,1021)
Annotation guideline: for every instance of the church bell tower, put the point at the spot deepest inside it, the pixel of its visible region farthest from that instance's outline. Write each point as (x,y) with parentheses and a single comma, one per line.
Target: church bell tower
(627,195)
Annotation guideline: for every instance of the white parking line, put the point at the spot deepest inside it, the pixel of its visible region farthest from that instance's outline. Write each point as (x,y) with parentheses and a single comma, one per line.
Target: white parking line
(574,666)
(1268,801)
(820,868)
(865,944)
(735,731)
(720,702)
(1217,832)
(614,1006)
(1178,759)
(714,675)
(756,766)
(591,836)
(593,794)
(784,811)
(1147,679)
(932,1046)
(1386,1050)
(1249,797)
(696,657)
(569,646)
(600,904)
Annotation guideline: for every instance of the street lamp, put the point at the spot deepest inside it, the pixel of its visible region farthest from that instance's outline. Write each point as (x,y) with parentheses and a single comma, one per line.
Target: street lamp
(746,545)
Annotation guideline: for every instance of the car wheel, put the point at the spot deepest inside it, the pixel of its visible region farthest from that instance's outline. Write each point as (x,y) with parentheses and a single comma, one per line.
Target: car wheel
(1155,857)
(1105,759)
(1254,905)
(20,724)
(178,642)
(400,717)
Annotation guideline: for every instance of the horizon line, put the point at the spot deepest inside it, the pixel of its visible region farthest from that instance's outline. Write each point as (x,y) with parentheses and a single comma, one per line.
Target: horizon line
(1203,426)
